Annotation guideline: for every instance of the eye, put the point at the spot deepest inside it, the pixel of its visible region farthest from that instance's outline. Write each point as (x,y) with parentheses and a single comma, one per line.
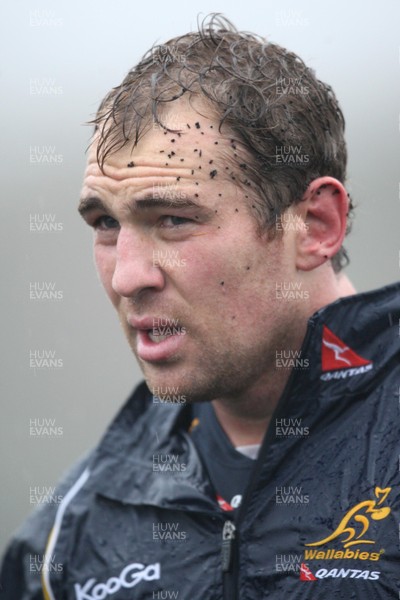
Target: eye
(174,221)
(105,223)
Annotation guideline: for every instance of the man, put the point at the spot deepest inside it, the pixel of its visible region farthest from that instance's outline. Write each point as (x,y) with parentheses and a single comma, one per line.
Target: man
(259,459)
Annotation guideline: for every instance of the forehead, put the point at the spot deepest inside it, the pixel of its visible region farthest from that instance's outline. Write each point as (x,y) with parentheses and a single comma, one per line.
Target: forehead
(185,138)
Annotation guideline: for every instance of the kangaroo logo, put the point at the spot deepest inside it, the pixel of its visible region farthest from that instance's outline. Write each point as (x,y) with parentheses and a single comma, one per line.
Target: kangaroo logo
(338,350)
(361,514)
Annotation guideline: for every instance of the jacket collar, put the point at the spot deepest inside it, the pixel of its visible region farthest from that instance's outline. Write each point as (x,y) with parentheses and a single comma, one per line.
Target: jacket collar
(348,347)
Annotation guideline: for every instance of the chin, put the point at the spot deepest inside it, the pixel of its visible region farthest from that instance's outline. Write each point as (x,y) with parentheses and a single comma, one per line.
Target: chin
(174,389)
(161,382)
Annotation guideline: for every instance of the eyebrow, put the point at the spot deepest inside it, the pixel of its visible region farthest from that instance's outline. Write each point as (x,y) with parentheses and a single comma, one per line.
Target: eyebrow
(87,205)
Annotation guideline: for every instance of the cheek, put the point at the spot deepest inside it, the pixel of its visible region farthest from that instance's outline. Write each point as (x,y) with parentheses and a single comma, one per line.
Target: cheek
(232,277)
(224,277)
(104,258)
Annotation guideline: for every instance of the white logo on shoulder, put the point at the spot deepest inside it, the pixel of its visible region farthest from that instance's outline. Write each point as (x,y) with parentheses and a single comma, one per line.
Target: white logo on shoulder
(129,577)
(338,350)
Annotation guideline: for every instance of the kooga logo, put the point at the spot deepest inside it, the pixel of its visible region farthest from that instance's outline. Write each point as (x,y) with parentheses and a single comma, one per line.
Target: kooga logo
(130,576)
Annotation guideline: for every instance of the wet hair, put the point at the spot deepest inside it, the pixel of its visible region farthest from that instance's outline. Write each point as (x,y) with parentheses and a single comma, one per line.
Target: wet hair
(286,125)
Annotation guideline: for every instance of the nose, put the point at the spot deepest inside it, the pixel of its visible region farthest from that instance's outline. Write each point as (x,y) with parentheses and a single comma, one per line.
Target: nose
(135,268)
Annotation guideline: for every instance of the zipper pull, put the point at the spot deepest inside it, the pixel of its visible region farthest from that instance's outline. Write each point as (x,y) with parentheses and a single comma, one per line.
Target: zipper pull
(228,536)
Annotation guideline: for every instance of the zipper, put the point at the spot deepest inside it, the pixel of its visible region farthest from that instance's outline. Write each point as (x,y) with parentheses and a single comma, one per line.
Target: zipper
(229,560)
(228,537)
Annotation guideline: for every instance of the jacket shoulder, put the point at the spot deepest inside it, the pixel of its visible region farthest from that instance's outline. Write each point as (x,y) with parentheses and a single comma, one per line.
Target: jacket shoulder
(20,575)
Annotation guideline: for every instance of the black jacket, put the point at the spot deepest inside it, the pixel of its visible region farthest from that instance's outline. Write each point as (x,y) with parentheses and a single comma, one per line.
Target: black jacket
(320,518)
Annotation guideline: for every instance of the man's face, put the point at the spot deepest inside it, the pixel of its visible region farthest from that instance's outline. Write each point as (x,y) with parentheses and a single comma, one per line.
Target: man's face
(178,251)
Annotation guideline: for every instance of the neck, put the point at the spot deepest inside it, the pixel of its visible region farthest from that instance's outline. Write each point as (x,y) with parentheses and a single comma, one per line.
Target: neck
(246,417)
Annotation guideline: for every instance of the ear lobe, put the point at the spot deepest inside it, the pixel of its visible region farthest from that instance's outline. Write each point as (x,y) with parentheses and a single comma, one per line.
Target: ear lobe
(324,209)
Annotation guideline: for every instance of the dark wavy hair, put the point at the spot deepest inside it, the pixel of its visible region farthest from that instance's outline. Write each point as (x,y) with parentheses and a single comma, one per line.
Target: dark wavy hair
(268,100)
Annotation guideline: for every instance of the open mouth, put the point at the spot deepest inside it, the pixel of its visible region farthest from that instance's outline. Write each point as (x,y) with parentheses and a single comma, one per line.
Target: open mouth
(158,338)
(159,343)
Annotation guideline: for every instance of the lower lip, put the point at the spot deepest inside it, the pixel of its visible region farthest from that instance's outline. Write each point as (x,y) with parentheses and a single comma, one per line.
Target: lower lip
(157,351)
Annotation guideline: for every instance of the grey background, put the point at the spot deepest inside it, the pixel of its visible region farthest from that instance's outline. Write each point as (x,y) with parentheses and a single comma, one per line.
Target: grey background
(86,48)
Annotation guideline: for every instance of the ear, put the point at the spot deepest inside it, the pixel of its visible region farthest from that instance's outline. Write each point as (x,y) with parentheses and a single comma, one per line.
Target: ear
(324,209)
